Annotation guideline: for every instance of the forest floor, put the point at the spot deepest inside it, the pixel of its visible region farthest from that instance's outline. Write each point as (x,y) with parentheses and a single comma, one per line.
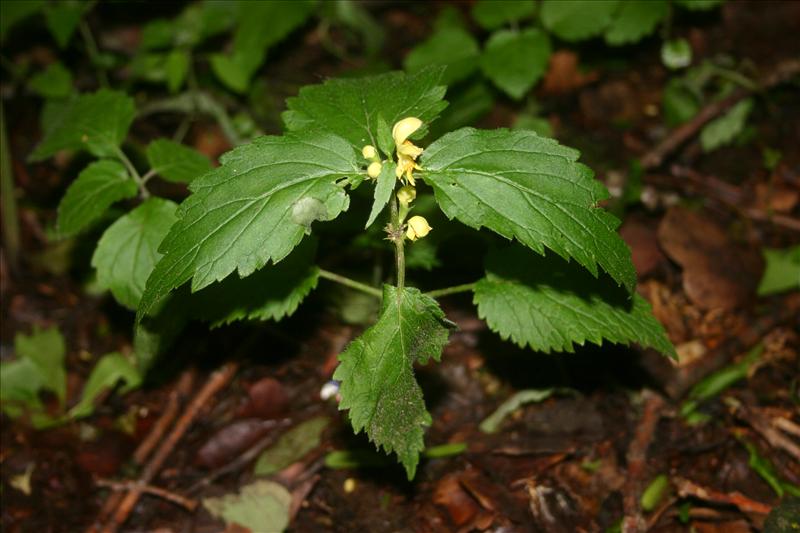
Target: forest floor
(612,420)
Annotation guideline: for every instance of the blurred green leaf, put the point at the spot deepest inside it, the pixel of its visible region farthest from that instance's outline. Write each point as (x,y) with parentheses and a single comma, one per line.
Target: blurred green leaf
(699,5)
(723,130)
(291,446)
(175,161)
(679,103)
(176,67)
(492,14)
(15,11)
(515,61)
(109,370)
(449,47)
(577,20)
(676,54)
(260,506)
(492,423)
(782,271)
(62,19)
(655,493)
(636,19)
(53,82)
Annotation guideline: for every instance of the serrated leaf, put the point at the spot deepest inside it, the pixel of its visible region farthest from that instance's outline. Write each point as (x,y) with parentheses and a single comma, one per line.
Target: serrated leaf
(97,122)
(452,48)
(53,82)
(577,20)
(721,131)
(514,61)
(176,162)
(272,293)
(128,250)
(254,208)
(109,370)
(492,14)
(635,20)
(549,304)
(350,108)
(383,191)
(97,187)
(259,26)
(377,373)
(782,271)
(530,188)
(62,19)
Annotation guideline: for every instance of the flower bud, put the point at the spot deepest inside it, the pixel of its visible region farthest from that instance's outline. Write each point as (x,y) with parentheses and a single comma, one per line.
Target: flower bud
(406,194)
(374,169)
(417,228)
(369,152)
(404,128)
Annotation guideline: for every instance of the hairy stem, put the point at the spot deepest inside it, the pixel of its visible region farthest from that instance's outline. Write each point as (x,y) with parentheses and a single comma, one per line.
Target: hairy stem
(467,287)
(353,284)
(399,251)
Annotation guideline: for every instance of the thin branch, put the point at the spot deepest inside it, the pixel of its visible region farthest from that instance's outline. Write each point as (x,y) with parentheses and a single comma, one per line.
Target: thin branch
(466,287)
(187,503)
(143,192)
(353,284)
(8,197)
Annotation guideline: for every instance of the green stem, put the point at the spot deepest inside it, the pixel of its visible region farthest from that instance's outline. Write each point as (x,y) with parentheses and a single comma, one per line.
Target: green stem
(399,251)
(140,182)
(8,198)
(94,52)
(353,284)
(467,287)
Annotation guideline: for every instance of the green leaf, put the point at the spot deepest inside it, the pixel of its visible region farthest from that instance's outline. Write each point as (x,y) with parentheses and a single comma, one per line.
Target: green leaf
(175,161)
(492,14)
(676,54)
(655,493)
(721,131)
(635,20)
(383,190)
(679,103)
(15,11)
(109,370)
(201,20)
(39,366)
(260,506)
(259,26)
(97,122)
(291,446)
(549,304)
(154,335)
(272,293)
(350,108)
(384,137)
(577,20)
(377,373)
(453,48)
(128,250)
(157,34)
(782,271)
(53,82)
(515,61)
(62,19)
(98,186)
(531,188)
(176,66)
(254,208)
(467,105)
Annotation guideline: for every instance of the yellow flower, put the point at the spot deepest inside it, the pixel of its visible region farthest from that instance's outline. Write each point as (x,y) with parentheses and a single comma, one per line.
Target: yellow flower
(374,169)
(417,228)
(369,152)
(407,152)
(404,128)
(406,195)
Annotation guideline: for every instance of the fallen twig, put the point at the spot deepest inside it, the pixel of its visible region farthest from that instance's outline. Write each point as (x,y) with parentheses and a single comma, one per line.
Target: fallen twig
(688,488)
(187,503)
(217,381)
(652,159)
(768,429)
(142,452)
(637,462)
